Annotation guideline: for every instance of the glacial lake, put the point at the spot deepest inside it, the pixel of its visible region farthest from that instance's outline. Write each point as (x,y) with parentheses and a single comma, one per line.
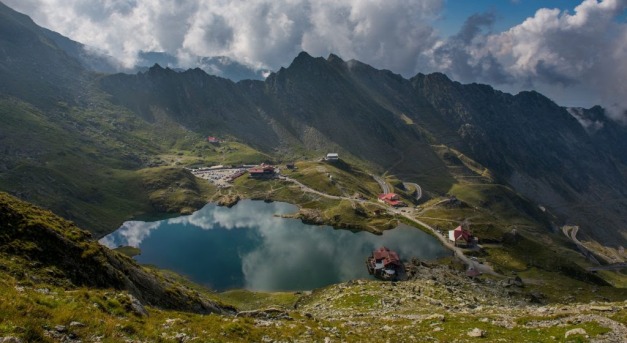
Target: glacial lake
(248,246)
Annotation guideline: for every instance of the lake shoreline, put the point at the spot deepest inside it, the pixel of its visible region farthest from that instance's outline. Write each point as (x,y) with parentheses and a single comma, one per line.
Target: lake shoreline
(246,246)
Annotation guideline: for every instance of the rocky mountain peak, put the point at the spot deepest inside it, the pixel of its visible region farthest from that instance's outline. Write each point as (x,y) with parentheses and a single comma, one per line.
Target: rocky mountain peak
(335,59)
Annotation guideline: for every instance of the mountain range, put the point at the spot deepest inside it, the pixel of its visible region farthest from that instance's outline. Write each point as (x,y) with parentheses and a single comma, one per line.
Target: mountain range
(83,145)
(571,162)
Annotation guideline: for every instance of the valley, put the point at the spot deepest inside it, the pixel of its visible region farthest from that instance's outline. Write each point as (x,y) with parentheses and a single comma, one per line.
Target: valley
(45,300)
(83,152)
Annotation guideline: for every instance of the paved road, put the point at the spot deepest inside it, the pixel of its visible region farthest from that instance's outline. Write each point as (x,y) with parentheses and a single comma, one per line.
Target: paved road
(306,188)
(384,186)
(571,232)
(415,185)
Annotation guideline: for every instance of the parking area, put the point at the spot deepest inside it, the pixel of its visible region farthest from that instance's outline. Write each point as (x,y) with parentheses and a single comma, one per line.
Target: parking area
(220,177)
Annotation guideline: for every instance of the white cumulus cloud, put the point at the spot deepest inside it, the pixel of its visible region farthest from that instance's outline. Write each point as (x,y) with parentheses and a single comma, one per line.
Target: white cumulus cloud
(574,56)
(262,33)
(568,56)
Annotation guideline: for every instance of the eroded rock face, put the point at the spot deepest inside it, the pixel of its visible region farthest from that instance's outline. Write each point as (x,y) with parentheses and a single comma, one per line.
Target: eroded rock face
(137,306)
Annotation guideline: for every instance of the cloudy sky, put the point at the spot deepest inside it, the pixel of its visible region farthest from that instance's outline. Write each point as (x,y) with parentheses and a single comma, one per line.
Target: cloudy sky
(573,51)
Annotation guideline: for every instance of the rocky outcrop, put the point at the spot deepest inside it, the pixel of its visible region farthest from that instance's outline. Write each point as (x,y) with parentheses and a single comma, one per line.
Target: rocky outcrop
(228,200)
(311,216)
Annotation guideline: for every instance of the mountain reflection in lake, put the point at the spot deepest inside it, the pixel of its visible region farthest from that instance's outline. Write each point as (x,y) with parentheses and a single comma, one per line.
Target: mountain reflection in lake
(247,246)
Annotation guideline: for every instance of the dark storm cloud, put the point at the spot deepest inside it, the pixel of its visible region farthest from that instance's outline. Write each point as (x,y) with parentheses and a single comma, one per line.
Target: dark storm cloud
(551,75)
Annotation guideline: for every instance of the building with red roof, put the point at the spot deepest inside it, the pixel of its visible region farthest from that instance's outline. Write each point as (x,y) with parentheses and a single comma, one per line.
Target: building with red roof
(384,264)
(391,199)
(460,236)
(262,171)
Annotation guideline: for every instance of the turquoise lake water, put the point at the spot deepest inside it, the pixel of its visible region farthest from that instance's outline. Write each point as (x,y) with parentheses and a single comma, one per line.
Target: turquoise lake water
(247,246)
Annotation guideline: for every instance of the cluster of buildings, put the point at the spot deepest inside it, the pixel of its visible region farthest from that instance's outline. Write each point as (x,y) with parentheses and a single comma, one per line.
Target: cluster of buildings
(262,171)
(222,176)
(391,199)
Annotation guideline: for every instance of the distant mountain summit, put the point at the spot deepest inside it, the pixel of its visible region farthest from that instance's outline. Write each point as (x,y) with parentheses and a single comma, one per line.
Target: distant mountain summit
(32,65)
(217,65)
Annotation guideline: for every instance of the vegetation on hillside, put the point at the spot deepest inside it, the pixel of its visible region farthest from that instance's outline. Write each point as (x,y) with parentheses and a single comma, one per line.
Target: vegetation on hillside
(45,298)
(38,246)
(101,149)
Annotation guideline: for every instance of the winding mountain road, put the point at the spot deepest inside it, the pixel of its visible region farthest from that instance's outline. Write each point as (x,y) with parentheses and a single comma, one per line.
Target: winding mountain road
(385,188)
(416,186)
(571,233)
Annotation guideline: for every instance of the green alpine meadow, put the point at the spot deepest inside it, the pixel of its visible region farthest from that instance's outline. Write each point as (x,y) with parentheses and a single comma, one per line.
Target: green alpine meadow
(524,199)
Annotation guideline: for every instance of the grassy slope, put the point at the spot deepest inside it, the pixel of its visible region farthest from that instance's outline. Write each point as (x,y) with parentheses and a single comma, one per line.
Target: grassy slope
(39,293)
(38,246)
(494,211)
(112,148)
(345,179)
(345,312)
(98,178)
(363,311)
(338,213)
(88,163)
(34,298)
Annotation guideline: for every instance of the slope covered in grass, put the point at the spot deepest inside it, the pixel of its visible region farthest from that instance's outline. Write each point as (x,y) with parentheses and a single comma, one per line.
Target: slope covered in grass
(38,246)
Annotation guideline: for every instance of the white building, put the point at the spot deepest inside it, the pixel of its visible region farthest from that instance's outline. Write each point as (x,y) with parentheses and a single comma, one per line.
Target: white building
(332,156)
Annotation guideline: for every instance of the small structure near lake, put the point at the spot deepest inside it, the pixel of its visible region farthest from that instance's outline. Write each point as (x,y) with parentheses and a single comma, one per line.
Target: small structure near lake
(461,236)
(391,199)
(385,264)
(263,171)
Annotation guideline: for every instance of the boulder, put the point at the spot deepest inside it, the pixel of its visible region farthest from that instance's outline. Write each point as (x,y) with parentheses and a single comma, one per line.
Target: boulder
(577,331)
(476,332)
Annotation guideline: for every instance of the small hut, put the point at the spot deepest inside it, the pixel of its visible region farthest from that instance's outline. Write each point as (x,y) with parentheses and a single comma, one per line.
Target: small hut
(461,236)
(385,264)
